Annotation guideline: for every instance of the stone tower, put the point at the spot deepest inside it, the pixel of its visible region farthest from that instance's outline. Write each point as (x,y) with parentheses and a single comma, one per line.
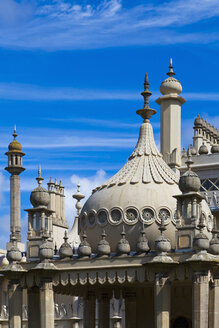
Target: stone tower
(170,110)
(15,167)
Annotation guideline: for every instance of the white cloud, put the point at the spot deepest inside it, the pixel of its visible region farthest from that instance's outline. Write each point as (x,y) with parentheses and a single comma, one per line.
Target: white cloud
(63,24)
(87,184)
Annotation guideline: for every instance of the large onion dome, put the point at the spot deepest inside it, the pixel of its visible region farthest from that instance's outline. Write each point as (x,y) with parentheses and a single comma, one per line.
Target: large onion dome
(141,192)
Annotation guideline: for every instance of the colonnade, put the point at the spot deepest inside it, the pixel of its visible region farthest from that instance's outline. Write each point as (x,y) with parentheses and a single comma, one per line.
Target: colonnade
(205,304)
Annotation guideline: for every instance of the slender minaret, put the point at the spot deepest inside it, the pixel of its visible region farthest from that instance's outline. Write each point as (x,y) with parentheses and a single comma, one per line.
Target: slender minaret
(170,110)
(15,167)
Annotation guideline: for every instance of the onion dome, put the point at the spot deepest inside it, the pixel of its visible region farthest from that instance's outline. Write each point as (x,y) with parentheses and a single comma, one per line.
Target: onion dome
(200,241)
(189,181)
(171,85)
(214,243)
(65,250)
(192,150)
(103,247)
(84,248)
(198,121)
(162,244)
(141,192)
(123,247)
(46,249)
(203,149)
(14,254)
(142,244)
(215,149)
(15,146)
(4,262)
(39,196)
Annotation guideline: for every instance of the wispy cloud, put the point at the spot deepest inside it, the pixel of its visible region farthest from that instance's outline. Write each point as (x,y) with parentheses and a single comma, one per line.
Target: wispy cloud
(29,92)
(63,24)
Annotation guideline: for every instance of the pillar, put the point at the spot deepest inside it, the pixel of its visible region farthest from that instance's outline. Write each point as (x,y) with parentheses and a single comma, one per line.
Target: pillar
(15,304)
(130,309)
(46,304)
(162,301)
(200,295)
(103,311)
(214,304)
(89,310)
(33,295)
(15,204)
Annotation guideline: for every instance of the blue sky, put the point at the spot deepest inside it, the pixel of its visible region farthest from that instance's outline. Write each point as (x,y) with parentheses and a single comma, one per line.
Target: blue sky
(71,73)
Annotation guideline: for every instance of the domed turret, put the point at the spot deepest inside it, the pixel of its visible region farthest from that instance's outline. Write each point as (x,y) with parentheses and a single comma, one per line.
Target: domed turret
(203,150)
(198,121)
(141,192)
(170,85)
(189,181)
(39,196)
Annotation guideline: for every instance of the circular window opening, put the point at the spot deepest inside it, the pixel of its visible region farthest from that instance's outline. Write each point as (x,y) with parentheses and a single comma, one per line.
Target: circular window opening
(102,217)
(116,215)
(147,215)
(131,215)
(164,214)
(91,218)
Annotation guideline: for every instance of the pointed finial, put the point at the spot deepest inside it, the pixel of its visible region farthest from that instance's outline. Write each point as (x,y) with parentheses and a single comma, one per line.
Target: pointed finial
(65,236)
(146,112)
(78,196)
(39,178)
(162,227)
(189,161)
(171,72)
(15,132)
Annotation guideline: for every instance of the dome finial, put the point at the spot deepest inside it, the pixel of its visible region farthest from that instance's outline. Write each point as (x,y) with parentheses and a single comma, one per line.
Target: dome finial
(39,178)
(146,112)
(171,72)
(189,161)
(15,132)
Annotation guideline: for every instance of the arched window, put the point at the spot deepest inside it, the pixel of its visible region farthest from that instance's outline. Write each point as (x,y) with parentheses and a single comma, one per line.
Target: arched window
(181,322)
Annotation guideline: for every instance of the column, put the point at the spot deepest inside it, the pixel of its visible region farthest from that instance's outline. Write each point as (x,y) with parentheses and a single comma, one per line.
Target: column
(15,205)
(89,310)
(130,309)
(200,295)
(15,304)
(33,295)
(162,299)
(46,304)
(214,304)
(103,311)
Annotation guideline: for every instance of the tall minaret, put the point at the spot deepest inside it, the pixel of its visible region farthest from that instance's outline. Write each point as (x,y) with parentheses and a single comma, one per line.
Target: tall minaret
(15,167)
(170,110)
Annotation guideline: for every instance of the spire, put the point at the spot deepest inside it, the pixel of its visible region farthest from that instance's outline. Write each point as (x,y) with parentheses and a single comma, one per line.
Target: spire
(146,112)
(15,133)
(171,72)
(39,178)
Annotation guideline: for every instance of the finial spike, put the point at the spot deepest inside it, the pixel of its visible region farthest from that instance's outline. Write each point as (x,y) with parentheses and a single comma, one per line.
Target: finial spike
(15,132)
(146,112)
(171,72)
(39,178)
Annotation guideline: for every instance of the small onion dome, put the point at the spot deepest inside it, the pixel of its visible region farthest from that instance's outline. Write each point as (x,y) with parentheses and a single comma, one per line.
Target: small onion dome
(14,254)
(200,241)
(65,250)
(142,244)
(214,243)
(170,85)
(4,261)
(23,259)
(192,150)
(84,248)
(46,249)
(123,247)
(162,244)
(189,182)
(203,149)
(198,121)
(39,196)
(103,247)
(215,149)
(15,146)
